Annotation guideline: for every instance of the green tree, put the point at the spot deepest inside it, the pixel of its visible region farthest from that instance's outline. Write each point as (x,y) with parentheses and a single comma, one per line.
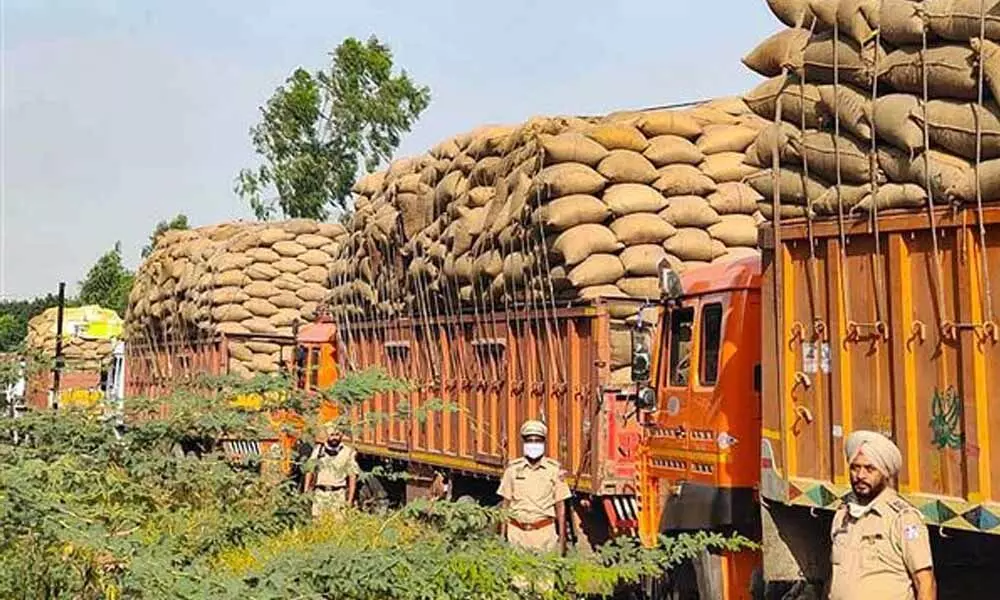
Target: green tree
(14,317)
(320,129)
(108,282)
(180,222)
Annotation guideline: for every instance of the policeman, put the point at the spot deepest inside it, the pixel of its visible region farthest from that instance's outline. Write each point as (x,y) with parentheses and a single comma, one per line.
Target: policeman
(335,475)
(533,489)
(880,544)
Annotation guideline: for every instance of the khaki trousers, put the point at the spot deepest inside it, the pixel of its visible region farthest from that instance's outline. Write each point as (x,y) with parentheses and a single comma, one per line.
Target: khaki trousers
(329,502)
(545,539)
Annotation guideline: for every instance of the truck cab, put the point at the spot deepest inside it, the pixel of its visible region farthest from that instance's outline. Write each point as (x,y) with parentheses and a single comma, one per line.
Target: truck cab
(700,451)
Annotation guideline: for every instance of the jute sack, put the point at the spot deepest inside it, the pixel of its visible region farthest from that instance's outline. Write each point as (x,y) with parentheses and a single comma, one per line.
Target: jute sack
(618,137)
(951,178)
(288,282)
(228,262)
(855,63)
(485,171)
(952,126)
(409,184)
(231,278)
(286,300)
(621,346)
(315,293)
(798,101)
(731,105)
(989,179)
(577,243)
(641,228)
(726,167)
(517,267)
(706,115)
(854,108)
(263,347)
(370,185)
(821,149)
(259,307)
(565,179)
(670,122)
(837,198)
(893,195)
(481,195)
(628,198)
(332,231)
(229,295)
(417,212)
(960,19)
(284,317)
(690,244)
(314,275)
(734,198)
(312,240)
(259,325)
(794,13)
(597,269)
(788,211)
(627,166)
(900,22)
(672,149)
(262,363)
(451,186)
(852,16)
(273,235)
(781,50)
(640,287)
(230,312)
(261,289)
(289,265)
(315,258)
(737,253)
(643,259)
(735,230)
(894,122)
(600,291)
(775,135)
(569,211)
(950,72)
(795,187)
(300,226)
(689,211)
(683,180)
(725,138)
(571,146)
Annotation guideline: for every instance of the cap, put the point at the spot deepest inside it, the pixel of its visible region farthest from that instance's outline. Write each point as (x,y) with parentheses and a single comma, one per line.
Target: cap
(534,428)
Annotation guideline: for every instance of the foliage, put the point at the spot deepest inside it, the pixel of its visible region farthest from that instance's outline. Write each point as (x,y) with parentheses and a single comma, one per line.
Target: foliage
(320,129)
(108,282)
(180,222)
(14,317)
(88,514)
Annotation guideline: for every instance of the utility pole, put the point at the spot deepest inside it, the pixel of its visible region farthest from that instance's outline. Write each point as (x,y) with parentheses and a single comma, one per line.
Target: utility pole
(58,366)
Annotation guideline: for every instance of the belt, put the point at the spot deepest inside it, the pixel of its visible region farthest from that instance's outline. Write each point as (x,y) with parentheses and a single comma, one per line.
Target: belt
(533,526)
(330,488)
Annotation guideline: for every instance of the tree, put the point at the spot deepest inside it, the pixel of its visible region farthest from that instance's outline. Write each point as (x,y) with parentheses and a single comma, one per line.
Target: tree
(14,317)
(319,130)
(180,222)
(108,282)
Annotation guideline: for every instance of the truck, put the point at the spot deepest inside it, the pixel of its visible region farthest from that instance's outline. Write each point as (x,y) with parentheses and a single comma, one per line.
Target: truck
(764,366)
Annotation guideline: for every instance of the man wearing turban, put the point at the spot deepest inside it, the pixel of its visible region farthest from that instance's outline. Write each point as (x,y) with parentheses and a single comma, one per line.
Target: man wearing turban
(880,544)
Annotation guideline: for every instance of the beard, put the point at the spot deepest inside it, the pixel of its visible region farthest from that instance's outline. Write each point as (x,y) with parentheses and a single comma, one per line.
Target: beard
(867,491)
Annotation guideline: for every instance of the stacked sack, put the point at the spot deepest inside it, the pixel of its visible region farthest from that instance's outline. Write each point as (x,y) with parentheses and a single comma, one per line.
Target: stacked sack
(80,352)
(858,66)
(235,278)
(554,210)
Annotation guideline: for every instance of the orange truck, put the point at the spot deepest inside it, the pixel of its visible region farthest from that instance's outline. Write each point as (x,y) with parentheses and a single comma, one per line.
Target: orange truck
(764,366)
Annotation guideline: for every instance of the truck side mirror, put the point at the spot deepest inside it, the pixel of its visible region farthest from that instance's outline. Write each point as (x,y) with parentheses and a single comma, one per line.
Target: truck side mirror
(640,356)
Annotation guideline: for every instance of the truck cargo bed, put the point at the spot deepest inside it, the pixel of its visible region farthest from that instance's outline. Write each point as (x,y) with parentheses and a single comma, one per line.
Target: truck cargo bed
(885,333)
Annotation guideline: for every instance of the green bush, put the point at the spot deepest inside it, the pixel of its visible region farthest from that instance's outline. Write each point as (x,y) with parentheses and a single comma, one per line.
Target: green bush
(86,514)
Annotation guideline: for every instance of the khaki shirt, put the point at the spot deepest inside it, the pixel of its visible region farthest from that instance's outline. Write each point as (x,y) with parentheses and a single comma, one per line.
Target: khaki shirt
(876,556)
(533,490)
(334,469)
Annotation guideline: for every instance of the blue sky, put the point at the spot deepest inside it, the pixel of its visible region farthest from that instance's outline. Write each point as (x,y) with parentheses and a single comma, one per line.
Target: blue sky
(118,114)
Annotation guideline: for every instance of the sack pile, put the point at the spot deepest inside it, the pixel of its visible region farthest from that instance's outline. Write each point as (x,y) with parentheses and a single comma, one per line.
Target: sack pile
(238,279)
(79,353)
(552,211)
(900,80)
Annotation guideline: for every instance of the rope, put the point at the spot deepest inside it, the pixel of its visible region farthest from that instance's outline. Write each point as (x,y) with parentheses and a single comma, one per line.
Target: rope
(879,265)
(845,294)
(810,224)
(984,266)
(939,273)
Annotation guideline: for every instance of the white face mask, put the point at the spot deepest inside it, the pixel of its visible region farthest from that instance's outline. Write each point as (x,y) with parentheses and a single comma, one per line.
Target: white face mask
(534,450)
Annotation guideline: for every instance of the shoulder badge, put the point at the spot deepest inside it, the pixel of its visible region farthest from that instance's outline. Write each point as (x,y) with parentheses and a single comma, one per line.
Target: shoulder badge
(517,461)
(550,462)
(911,532)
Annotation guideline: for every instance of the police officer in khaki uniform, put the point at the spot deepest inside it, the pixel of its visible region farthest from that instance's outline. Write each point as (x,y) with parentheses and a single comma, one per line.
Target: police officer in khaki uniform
(880,544)
(335,475)
(534,490)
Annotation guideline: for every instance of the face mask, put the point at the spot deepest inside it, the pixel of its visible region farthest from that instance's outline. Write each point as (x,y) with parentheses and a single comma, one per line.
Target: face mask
(332,445)
(534,450)
(858,510)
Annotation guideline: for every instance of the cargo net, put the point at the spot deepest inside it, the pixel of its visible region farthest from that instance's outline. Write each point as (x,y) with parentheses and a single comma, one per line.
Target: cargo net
(504,222)
(249,281)
(878,105)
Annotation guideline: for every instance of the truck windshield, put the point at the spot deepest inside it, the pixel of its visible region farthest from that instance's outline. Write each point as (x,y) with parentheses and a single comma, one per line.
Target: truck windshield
(681,320)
